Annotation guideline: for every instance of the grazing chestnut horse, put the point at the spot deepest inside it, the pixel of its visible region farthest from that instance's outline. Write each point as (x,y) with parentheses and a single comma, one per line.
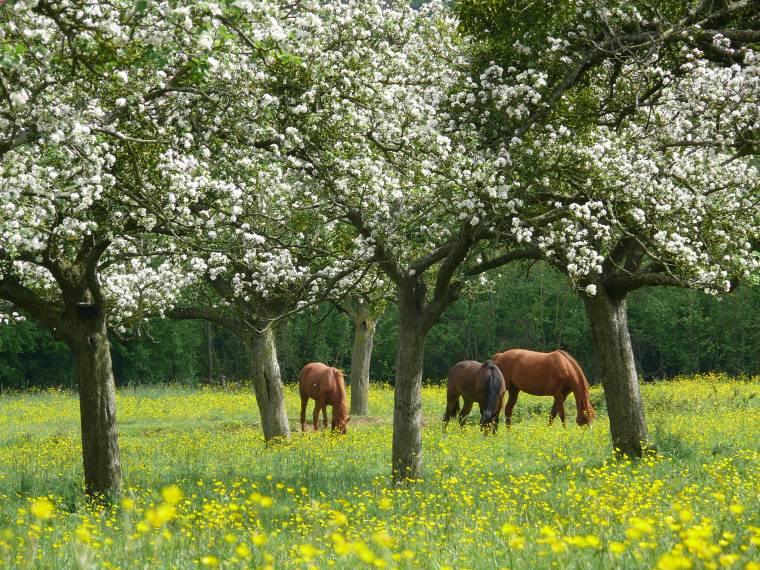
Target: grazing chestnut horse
(325,385)
(475,382)
(545,374)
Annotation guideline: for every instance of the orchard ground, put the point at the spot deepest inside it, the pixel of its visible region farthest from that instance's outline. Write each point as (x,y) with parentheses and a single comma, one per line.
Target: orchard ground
(201,489)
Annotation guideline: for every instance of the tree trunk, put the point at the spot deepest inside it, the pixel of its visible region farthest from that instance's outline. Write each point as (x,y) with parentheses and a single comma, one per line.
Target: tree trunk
(267,383)
(407,397)
(97,406)
(361,355)
(612,342)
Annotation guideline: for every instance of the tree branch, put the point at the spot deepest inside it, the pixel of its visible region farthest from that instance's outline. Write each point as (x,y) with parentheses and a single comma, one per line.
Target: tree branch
(207,314)
(24,137)
(453,260)
(91,262)
(623,284)
(384,258)
(27,300)
(515,255)
(432,258)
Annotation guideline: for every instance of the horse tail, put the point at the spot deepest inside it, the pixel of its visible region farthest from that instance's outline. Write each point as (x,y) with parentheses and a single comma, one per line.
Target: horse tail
(584,402)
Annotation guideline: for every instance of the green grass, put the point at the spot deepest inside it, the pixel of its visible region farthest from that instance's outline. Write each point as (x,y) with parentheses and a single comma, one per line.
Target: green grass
(534,496)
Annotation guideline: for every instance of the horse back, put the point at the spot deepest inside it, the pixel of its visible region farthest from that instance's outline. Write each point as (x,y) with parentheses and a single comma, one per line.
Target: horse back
(315,379)
(576,365)
(537,373)
(467,378)
(462,375)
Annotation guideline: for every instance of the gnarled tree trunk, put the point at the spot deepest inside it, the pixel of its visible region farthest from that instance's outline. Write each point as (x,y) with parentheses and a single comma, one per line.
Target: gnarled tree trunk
(361,355)
(78,318)
(407,396)
(267,384)
(88,339)
(608,317)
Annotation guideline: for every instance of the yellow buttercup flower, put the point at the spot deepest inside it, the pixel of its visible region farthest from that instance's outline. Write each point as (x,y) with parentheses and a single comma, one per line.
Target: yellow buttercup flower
(736,508)
(42,509)
(383,539)
(617,547)
(308,552)
(172,494)
(242,550)
(674,561)
(83,534)
(509,528)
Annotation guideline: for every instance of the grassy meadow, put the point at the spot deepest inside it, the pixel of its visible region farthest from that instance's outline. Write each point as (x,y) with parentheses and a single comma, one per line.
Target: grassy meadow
(202,490)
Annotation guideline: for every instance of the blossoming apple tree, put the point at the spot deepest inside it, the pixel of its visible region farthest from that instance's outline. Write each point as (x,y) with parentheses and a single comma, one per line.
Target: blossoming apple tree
(357,104)
(642,122)
(86,93)
(260,259)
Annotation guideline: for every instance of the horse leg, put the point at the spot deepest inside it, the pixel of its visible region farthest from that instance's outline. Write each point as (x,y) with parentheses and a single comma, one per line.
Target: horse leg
(465,412)
(495,420)
(558,407)
(315,416)
(452,407)
(553,413)
(561,408)
(304,403)
(324,416)
(511,401)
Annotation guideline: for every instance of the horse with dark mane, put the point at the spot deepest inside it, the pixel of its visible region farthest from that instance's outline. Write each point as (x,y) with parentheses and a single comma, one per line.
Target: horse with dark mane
(325,385)
(475,382)
(545,374)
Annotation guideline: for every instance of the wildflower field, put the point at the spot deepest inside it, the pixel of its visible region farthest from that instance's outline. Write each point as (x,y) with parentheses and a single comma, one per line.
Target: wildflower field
(202,490)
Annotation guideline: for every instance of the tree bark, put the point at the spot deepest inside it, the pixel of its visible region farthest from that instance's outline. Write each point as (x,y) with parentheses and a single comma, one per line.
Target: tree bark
(97,405)
(361,356)
(608,317)
(79,320)
(267,383)
(407,401)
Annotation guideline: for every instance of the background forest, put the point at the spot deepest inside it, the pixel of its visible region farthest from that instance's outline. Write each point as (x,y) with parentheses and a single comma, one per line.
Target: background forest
(674,331)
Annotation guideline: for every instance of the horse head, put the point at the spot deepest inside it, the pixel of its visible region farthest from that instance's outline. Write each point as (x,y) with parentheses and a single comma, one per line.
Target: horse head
(586,413)
(339,424)
(340,415)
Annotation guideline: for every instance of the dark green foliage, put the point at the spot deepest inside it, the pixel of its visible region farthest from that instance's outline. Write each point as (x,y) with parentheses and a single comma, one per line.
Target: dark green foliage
(674,331)
(323,334)
(173,352)
(30,357)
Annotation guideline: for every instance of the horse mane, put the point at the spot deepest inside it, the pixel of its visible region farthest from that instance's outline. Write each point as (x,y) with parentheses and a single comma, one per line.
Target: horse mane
(341,409)
(493,383)
(585,401)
